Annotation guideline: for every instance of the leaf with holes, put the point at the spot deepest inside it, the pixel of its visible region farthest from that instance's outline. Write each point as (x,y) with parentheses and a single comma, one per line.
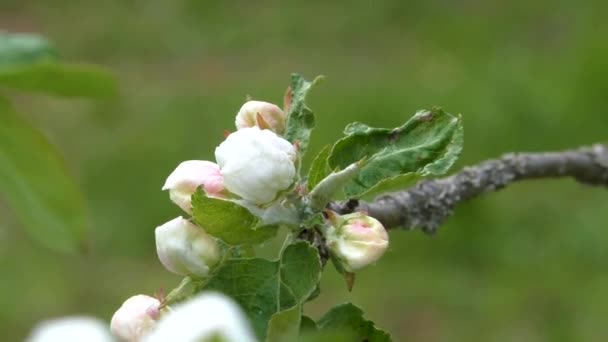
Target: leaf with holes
(429,144)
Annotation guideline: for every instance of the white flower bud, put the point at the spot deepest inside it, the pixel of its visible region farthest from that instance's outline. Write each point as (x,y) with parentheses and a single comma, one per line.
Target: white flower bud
(261,114)
(203,318)
(356,239)
(186,249)
(71,329)
(188,176)
(256,164)
(135,318)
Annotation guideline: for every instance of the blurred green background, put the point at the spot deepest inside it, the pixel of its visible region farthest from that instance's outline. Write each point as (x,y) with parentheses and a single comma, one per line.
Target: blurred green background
(529,263)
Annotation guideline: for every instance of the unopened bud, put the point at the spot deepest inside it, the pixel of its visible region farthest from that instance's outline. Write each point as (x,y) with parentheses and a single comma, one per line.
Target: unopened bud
(261,114)
(71,329)
(256,164)
(206,317)
(356,239)
(186,249)
(188,176)
(135,318)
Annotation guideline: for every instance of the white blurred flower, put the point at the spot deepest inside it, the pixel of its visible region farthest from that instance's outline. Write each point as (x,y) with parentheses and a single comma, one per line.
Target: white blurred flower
(186,249)
(135,318)
(71,329)
(356,239)
(256,164)
(202,318)
(261,114)
(188,176)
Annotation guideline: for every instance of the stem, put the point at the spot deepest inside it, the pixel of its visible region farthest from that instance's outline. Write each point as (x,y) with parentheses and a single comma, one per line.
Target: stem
(181,292)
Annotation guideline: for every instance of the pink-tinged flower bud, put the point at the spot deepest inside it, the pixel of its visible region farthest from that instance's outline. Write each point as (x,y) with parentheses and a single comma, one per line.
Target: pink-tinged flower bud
(135,318)
(71,329)
(186,249)
(206,317)
(256,164)
(356,239)
(261,114)
(188,176)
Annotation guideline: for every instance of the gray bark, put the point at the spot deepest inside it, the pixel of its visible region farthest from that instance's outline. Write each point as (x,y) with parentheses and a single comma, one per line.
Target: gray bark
(427,204)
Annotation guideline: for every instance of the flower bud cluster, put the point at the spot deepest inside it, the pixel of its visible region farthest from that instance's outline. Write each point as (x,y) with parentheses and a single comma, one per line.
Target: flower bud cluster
(254,164)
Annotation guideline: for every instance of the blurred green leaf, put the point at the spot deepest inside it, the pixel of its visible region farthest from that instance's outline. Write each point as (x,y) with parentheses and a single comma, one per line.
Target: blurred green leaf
(228,221)
(428,143)
(307,324)
(327,336)
(37,185)
(24,48)
(284,326)
(319,168)
(349,318)
(28,62)
(264,287)
(300,119)
(70,80)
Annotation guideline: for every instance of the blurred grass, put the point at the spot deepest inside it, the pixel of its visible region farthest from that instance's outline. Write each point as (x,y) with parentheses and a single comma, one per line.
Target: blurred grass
(528,263)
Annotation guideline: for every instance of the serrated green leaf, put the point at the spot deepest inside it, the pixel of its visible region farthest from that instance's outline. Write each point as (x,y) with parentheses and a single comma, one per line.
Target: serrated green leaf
(429,143)
(35,182)
(70,80)
(319,168)
(284,326)
(24,48)
(228,221)
(300,119)
(264,287)
(387,185)
(348,317)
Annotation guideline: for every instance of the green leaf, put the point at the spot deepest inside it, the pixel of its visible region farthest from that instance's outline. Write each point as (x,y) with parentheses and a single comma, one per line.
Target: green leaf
(284,326)
(228,221)
(300,119)
(264,287)
(319,168)
(429,144)
(307,324)
(387,185)
(70,80)
(24,48)
(348,317)
(37,185)
(327,336)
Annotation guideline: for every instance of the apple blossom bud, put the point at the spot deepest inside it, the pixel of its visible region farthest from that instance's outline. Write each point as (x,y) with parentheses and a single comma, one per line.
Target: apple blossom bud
(261,114)
(256,164)
(135,318)
(188,176)
(71,329)
(356,239)
(185,249)
(206,317)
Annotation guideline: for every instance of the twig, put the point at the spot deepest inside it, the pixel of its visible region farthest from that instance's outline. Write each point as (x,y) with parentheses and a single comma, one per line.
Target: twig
(427,204)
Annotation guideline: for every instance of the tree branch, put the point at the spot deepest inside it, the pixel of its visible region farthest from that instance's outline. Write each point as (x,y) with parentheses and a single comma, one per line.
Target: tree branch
(427,204)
